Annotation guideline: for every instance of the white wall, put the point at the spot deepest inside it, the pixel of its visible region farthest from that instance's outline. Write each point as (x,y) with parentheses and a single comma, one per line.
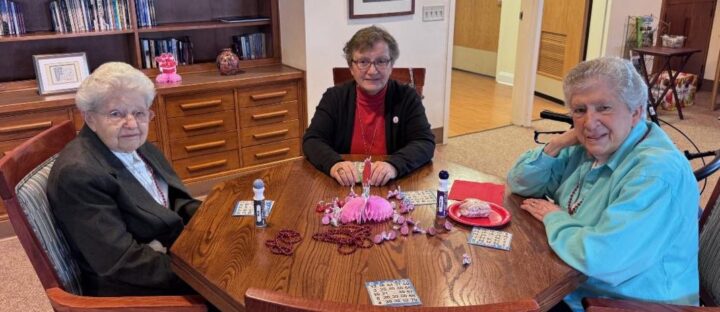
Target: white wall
(327,29)
(712,58)
(616,22)
(507,41)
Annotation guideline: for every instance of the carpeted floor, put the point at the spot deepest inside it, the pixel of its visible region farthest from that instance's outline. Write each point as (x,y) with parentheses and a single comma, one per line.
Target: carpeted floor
(492,151)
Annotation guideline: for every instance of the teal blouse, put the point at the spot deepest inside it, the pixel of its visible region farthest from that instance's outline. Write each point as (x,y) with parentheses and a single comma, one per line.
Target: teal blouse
(634,233)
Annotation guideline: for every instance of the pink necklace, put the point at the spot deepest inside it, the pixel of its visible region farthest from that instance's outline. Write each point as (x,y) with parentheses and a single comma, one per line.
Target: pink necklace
(152,177)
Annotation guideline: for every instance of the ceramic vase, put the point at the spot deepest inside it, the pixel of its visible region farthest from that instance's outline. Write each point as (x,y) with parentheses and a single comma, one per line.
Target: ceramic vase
(228,63)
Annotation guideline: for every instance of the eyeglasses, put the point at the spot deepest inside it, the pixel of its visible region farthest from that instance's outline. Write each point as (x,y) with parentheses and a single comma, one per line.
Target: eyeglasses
(117,116)
(380,64)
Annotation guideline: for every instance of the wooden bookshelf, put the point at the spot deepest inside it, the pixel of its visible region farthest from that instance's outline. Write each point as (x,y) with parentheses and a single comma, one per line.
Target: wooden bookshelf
(197,19)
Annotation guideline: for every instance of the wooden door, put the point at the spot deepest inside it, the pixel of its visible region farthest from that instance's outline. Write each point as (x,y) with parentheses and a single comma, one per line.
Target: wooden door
(562,43)
(477,26)
(694,20)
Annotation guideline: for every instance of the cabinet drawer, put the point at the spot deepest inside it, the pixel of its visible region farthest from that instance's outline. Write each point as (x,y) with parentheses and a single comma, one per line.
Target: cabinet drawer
(207,164)
(202,145)
(182,127)
(267,94)
(268,114)
(79,121)
(270,133)
(28,125)
(270,152)
(198,103)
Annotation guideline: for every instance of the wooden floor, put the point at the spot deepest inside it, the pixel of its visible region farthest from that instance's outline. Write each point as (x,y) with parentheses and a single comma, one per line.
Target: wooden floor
(478,103)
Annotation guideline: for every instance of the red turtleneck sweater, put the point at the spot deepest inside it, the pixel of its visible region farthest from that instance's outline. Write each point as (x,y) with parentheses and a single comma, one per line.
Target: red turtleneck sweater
(369,118)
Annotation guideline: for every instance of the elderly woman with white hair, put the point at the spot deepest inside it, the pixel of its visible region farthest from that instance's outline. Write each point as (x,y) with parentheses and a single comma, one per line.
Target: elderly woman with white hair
(114,196)
(618,200)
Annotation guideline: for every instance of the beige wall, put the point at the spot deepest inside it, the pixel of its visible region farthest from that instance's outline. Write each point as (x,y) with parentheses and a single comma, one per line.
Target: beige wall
(324,27)
(507,41)
(714,47)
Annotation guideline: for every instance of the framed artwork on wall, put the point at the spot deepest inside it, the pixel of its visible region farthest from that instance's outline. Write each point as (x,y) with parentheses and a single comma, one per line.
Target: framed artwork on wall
(380,8)
(58,73)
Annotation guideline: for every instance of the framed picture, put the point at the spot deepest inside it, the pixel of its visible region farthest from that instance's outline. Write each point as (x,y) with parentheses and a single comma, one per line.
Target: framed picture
(58,73)
(380,8)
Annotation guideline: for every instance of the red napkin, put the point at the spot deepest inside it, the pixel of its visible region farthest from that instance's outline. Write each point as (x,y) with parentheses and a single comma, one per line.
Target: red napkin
(489,192)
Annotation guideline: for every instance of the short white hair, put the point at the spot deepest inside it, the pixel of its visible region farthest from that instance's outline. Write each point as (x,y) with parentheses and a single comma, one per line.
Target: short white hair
(620,75)
(111,79)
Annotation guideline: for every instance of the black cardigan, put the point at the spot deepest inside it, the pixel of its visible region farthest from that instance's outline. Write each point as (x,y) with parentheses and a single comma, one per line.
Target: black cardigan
(409,141)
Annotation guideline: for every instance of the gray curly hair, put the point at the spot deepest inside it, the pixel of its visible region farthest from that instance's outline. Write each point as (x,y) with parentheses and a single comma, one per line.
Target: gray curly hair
(364,39)
(620,75)
(111,79)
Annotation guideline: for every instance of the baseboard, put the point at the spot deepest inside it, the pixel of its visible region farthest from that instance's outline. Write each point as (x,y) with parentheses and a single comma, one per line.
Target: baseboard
(6,229)
(505,78)
(438,132)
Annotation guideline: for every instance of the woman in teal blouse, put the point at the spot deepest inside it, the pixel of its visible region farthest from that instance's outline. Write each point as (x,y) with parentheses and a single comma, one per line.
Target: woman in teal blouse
(618,200)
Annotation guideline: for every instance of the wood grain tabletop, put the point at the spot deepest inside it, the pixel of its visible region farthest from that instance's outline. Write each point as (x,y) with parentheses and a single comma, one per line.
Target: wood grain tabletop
(221,256)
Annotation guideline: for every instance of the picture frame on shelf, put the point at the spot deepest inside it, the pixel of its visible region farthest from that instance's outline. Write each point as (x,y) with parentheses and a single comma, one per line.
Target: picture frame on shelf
(58,73)
(380,8)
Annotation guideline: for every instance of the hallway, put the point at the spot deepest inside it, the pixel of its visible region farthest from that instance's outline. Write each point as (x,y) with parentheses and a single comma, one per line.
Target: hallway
(478,103)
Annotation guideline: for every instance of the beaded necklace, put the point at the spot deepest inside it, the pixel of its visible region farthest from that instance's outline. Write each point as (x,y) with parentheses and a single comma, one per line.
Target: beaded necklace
(362,132)
(574,202)
(152,177)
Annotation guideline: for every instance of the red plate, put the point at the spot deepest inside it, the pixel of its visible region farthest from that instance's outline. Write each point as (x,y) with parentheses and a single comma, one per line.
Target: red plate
(498,216)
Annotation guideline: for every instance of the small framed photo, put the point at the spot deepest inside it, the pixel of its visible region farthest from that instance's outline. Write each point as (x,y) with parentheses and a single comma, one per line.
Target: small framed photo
(380,8)
(58,73)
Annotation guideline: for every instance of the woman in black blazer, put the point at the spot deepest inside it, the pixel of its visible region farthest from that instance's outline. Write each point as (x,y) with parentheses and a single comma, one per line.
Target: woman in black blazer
(115,197)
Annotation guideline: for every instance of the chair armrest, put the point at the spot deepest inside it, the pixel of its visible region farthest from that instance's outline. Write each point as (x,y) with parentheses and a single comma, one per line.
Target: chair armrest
(618,305)
(64,301)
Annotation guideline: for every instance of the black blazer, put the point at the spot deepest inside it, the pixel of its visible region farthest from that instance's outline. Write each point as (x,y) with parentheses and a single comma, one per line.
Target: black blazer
(108,218)
(409,140)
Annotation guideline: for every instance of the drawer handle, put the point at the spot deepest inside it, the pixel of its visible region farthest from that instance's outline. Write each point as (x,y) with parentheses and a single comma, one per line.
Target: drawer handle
(204,125)
(33,126)
(198,105)
(272,153)
(270,115)
(204,146)
(270,95)
(209,165)
(271,134)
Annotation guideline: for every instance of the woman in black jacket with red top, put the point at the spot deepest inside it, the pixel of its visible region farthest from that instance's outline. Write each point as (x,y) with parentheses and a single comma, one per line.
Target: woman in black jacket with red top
(371,115)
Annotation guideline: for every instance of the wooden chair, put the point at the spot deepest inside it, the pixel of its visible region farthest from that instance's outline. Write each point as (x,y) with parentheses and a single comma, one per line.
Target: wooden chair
(262,300)
(708,260)
(413,76)
(23,179)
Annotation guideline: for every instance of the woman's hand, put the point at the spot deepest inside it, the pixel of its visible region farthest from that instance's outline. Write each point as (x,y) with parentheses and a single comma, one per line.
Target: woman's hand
(382,172)
(344,172)
(558,142)
(539,208)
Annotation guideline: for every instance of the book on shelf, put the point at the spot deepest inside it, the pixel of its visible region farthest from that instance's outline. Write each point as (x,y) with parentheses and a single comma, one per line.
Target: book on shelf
(11,18)
(246,18)
(250,46)
(89,15)
(179,47)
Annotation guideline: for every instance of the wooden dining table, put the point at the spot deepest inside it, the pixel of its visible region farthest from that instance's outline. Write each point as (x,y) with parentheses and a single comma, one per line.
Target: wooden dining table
(221,255)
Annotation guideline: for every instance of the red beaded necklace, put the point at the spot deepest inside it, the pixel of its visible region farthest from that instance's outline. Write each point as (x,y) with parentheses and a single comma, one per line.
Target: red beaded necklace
(349,237)
(152,177)
(283,243)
